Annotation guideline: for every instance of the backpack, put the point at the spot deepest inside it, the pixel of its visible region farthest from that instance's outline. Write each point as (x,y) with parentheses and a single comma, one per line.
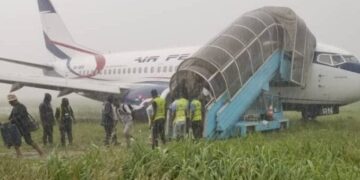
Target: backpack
(32,124)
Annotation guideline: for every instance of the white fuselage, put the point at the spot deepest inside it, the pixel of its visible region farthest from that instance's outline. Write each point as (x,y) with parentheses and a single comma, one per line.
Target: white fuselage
(128,67)
(325,85)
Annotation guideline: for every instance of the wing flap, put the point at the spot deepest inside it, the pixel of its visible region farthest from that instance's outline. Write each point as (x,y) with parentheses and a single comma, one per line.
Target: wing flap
(30,64)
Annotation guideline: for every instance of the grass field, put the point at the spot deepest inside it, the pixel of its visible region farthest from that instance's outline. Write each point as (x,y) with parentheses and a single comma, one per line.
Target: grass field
(328,148)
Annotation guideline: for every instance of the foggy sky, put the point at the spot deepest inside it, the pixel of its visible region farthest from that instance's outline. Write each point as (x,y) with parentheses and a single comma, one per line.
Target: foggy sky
(127,25)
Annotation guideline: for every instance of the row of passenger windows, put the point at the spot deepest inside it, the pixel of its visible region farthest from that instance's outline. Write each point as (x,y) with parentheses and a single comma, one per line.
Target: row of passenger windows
(134,70)
(335,59)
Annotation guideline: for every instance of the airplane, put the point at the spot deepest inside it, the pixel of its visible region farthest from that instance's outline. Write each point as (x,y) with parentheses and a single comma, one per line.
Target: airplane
(333,78)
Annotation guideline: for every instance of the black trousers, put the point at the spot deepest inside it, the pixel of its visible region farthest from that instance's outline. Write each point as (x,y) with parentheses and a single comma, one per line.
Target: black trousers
(197,129)
(108,132)
(47,134)
(66,130)
(28,139)
(158,129)
(26,134)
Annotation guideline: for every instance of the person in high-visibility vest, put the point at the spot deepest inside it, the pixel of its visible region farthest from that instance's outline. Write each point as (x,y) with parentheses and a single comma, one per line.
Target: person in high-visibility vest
(196,118)
(158,118)
(179,110)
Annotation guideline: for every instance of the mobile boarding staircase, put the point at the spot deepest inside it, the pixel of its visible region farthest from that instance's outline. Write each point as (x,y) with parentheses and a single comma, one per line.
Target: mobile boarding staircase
(270,44)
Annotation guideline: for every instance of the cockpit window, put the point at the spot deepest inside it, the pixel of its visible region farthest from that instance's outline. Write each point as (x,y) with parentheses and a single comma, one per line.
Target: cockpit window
(337,59)
(324,59)
(351,59)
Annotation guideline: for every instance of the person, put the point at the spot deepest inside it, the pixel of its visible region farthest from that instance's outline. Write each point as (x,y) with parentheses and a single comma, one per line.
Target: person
(47,119)
(158,119)
(65,117)
(196,118)
(179,109)
(20,117)
(108,119)
(115,108)
(126,116)
(270,113)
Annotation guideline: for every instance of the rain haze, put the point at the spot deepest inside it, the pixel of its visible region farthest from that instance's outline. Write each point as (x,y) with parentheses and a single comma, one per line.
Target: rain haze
(128,25)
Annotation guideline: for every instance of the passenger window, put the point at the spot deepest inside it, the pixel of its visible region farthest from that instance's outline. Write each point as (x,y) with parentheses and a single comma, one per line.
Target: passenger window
(105,71)
(139,70)
(170,68)
(336,59)
(164,69)
(114,71)
(324,59)
(145,69)
(124,71)
(129,70)
(159,69)
(134,70)
(119,71)
(152,69)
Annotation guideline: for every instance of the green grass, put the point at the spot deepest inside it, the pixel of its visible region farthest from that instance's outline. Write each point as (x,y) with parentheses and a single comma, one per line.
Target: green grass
(328,148)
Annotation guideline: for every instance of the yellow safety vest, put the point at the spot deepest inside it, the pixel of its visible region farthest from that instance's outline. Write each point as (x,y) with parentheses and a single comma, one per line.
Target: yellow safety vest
(197,112)
(181,107)
(160,108)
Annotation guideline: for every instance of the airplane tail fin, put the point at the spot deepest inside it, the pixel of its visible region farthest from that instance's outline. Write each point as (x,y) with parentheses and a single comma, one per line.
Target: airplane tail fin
(58,39)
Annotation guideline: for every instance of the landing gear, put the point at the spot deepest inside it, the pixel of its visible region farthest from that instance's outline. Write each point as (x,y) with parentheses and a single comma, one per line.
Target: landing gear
(283,126)
(309,113)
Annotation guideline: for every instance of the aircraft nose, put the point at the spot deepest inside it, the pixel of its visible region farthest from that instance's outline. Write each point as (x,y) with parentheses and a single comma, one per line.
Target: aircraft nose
(353,67)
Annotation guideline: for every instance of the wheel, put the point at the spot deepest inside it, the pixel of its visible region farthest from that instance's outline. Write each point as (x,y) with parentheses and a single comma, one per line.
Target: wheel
(250,129)
(308,114)
(283,126)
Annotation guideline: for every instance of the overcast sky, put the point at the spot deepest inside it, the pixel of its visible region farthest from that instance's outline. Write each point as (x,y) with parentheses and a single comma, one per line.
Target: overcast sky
(123,25)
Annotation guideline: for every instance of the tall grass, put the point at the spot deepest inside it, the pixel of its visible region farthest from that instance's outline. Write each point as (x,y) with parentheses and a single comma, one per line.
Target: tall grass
(328,148)
(309,154)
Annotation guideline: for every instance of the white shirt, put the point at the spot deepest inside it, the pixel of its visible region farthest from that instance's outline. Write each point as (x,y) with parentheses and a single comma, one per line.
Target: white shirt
(125,113)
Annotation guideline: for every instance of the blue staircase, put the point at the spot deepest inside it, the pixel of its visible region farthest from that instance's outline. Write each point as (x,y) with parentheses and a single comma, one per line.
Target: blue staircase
(265,45)
(223,114)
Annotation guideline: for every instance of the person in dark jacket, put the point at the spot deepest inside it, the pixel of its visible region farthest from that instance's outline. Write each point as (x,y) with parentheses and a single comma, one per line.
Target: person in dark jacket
(47,119)
(65,117)
(20,117)
(108,118)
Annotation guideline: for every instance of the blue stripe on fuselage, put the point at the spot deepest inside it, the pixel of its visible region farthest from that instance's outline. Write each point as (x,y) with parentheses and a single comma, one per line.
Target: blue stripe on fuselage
(348,66)
(353,67)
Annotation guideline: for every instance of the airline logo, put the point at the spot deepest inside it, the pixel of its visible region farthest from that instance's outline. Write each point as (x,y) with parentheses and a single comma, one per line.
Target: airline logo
(172,57)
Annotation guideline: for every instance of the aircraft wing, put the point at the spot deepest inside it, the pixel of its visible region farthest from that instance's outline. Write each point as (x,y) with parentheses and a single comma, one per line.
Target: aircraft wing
(30,64)
(61,84)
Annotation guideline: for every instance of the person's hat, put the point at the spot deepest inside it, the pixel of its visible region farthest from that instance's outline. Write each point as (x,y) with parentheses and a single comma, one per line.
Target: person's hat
(11,97)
